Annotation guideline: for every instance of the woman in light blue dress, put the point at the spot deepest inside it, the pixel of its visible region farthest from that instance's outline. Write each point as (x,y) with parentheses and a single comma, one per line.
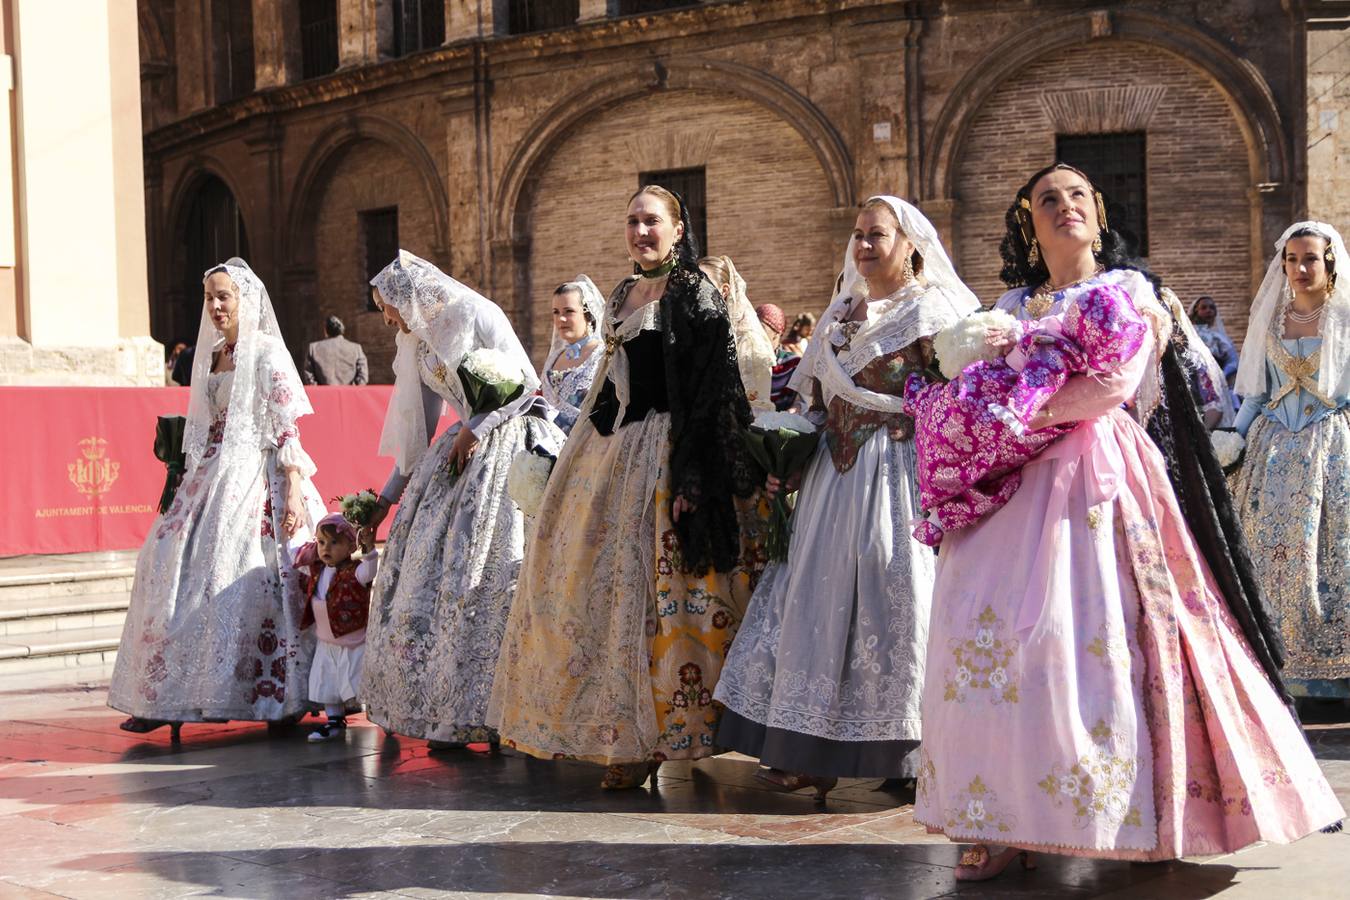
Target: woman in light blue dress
(1293,489)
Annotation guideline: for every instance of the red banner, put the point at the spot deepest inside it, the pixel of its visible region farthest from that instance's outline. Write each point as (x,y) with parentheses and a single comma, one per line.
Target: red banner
(80,472)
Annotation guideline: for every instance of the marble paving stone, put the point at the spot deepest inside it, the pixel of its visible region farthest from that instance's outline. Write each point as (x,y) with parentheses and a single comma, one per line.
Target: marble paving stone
(195,874)
(95,812)
(453,866)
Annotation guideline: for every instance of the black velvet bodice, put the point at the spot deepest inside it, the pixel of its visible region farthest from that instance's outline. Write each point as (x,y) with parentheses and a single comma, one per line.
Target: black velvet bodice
(648,391)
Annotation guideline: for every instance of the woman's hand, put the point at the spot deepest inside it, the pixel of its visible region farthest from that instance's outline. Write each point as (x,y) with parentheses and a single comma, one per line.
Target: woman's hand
(773,485)
(1002,339)
(365,536)
(681,505)
(466,442)
(294,517)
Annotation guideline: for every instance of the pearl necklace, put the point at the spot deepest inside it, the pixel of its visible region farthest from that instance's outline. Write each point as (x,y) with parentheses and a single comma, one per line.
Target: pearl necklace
(1307,318)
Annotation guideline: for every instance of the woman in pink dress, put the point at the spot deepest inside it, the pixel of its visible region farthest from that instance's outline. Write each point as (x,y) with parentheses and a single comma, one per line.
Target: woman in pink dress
(1092,694)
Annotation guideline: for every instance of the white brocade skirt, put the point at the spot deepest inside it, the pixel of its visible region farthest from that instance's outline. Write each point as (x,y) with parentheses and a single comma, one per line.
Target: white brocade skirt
(447,578)
(833,644)
(213,629)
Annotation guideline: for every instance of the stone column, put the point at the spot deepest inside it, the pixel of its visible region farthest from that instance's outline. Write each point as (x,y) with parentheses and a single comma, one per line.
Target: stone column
(192,55)
(461,184)
(81,201)
(468,20)
(597,9)
(276,43)
(365,32)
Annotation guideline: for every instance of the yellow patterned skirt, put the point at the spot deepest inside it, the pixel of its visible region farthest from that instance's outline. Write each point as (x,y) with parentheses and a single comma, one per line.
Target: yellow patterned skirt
(611,653)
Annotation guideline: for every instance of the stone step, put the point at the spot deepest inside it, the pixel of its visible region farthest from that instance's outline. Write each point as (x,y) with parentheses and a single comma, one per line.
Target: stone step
(61,657)
(39,579)
(25,616)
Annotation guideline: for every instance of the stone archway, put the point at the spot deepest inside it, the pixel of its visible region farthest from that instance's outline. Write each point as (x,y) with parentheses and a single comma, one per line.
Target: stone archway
(207,227)
(692,95)
(1267,188)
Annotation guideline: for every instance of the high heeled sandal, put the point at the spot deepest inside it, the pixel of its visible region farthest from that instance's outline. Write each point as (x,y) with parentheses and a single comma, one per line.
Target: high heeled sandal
(978,864)
(788,782)
(629,775)
(137,725)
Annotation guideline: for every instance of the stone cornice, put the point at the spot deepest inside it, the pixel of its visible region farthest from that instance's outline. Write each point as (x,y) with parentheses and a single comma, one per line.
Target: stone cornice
(597,42)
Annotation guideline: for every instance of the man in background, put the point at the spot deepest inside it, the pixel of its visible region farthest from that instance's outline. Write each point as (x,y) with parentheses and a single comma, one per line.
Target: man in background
(335,360)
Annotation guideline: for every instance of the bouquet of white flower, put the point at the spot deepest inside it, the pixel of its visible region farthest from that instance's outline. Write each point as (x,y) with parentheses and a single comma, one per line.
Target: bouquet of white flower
(1228,446)
(490,378)
(359,507)
(782,443)
(526,480)
(963,343)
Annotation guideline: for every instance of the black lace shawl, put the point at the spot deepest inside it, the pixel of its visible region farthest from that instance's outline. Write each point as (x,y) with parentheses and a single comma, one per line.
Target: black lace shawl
(1202,493)
(708,411)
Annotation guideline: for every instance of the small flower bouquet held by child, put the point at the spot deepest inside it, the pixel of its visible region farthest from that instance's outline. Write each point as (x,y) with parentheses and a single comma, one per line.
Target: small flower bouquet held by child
(359,507)
(782,444)
(491,379)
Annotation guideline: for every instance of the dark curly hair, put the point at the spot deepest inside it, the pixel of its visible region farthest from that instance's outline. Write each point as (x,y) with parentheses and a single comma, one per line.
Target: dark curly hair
(1017,268)
(686,249)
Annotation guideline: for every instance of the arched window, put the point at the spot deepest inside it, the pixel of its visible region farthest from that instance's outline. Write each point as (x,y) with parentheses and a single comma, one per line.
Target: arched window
(213,231)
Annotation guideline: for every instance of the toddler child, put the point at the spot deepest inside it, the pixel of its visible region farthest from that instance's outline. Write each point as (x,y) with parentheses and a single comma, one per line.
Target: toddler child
(337,604)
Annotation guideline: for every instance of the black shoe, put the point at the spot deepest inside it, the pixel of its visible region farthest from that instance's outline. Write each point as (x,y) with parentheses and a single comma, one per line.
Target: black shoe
(328,730)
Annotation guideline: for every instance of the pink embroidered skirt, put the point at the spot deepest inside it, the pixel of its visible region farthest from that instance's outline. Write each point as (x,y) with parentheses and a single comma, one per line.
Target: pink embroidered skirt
(1108,706)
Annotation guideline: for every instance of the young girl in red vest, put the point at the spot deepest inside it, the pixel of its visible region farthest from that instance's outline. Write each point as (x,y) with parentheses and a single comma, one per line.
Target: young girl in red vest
(337,603)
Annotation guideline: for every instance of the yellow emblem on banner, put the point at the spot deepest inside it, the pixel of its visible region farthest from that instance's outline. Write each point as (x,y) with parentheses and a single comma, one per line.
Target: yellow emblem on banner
(94,474)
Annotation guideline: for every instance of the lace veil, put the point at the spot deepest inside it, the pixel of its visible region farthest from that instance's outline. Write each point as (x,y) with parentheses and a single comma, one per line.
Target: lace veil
(945,300)
(1333,374)
(754,352)
(593,302)
(260,358)
(452,319)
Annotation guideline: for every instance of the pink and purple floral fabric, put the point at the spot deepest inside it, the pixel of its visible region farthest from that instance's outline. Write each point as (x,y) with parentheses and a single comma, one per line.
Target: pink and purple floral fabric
(971,434)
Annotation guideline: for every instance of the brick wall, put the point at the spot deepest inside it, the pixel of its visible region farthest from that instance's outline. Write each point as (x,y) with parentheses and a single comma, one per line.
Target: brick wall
(1199,218)
(368,175)
(767,199)
(1329,127)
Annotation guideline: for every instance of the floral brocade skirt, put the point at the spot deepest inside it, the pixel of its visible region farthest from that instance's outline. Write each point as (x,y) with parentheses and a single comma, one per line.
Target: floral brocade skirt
(1293,494)
(447,576)
(213,629)
(612,652)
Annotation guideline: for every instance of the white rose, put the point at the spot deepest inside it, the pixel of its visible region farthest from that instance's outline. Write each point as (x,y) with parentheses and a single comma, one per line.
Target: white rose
(975,811)
(1227,446)
(984,638)
(770,420)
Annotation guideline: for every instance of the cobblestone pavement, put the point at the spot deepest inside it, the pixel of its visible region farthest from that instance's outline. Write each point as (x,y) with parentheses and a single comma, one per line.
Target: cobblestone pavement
(89,811)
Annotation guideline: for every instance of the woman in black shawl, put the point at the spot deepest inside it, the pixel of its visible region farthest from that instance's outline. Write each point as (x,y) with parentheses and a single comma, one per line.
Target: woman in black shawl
(630,591)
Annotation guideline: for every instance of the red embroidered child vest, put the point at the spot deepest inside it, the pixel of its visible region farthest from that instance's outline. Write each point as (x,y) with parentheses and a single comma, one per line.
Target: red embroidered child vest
(348,600)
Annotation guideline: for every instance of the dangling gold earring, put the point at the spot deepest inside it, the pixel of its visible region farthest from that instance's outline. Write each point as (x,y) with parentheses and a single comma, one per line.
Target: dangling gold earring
(1097,243)
(907,270)
(1034,253)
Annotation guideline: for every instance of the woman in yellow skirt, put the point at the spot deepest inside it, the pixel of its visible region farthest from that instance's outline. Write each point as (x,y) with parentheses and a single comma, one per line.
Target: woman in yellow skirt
(632,585)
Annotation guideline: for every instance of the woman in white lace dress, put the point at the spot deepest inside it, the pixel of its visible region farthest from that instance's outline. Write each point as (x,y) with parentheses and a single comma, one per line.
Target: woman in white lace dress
(570,365)
(449,567)
(825,675)
(211,632)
